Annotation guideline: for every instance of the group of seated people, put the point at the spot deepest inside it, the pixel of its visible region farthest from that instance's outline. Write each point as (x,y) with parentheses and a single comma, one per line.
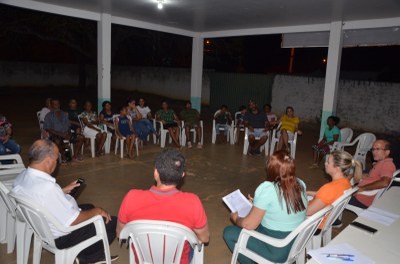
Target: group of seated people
(259,124)
(131,122)
(279,205)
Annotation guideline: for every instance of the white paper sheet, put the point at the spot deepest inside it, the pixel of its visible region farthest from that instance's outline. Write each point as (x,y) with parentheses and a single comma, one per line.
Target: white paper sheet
(237,202)
(380,216)
(326,255)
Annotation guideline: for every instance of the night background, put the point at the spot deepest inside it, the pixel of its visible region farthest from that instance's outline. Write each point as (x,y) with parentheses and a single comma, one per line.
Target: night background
(27,35)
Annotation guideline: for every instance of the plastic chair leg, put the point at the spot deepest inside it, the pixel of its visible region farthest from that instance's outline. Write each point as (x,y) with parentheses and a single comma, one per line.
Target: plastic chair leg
(10,233)
(92,147)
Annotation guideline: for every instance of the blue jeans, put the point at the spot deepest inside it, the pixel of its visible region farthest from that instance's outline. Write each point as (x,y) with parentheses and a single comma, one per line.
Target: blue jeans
(11,145)
(224,126)
(274,254)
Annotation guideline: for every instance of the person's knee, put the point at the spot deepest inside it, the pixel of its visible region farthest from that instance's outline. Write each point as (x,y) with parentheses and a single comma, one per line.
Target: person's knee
(3,150)
(231,233)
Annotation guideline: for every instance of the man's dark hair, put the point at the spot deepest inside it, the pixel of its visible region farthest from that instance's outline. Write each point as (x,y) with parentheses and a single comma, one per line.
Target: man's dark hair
(104,103)
(40,150)
(170,164)
(242,107)
(270,107)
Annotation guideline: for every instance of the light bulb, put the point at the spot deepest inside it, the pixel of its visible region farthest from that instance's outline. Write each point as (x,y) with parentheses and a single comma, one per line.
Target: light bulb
(159,5)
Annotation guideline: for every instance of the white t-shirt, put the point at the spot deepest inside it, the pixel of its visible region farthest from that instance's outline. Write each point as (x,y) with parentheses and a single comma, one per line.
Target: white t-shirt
(144,111)
(42,188)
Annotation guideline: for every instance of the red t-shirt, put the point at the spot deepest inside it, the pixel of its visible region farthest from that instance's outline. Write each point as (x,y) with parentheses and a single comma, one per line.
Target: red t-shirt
(165,205)
(383,168)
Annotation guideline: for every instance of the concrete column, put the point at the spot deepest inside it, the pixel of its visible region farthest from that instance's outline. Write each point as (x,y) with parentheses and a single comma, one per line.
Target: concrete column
(103,59)
(332,73)
(197,72)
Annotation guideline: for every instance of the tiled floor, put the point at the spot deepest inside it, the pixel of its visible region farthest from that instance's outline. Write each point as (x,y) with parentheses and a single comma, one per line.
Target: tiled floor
(211,173)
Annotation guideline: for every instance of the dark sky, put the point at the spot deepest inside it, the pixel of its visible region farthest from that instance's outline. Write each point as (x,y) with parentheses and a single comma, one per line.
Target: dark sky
(27,35)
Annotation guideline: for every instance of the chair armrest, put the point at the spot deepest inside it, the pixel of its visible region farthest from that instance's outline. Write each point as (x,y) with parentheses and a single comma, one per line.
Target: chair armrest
(371,192)
(342,144)
(84,223)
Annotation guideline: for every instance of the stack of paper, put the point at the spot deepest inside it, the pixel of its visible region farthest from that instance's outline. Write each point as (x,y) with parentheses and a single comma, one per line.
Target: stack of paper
(237,202)
(380,216)
(332,254)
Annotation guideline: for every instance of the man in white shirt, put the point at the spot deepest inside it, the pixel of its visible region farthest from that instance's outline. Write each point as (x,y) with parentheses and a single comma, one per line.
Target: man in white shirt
(37,184)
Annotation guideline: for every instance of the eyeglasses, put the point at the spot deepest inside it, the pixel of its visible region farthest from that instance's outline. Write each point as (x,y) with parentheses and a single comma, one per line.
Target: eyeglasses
(373,149)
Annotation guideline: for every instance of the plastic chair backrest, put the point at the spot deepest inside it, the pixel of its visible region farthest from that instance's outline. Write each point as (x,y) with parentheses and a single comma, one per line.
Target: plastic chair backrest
(4,196)
(38,117)
(37,218)
(383,190)
(159,241)
(14,158)
(304,232)
(346,134)
(365,142)
(338,207)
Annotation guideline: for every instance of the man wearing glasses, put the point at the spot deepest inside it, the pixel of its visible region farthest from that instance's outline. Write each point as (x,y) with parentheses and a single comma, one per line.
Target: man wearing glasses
(378,177)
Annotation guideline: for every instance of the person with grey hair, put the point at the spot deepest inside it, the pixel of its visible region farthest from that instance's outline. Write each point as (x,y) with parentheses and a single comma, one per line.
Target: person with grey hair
(36,184)
(165,202)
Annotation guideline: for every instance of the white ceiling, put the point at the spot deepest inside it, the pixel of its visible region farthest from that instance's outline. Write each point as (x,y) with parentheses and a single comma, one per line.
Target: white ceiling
(222,15)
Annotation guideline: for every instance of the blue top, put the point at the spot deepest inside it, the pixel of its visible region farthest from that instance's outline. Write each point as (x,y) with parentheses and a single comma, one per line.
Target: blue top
(256,121)
(276,217)
(123,126)
(59,124)
(330,133)
(107,117)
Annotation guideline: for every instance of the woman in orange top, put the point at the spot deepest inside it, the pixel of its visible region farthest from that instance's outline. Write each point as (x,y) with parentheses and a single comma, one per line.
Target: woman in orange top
(339,165)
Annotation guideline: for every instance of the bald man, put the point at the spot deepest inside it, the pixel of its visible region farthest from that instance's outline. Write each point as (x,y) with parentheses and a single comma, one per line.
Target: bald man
(37,184)
(378,177)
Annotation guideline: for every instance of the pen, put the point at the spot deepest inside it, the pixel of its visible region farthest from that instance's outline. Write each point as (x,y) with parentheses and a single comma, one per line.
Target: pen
(340,258)
(338,255)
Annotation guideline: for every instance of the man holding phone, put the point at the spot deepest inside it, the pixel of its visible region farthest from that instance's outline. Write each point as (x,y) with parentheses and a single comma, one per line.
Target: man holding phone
(37,184)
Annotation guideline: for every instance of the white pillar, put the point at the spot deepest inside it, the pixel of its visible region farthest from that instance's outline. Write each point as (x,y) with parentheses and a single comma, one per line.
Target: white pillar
(332,73)
(103,59)
(197,72)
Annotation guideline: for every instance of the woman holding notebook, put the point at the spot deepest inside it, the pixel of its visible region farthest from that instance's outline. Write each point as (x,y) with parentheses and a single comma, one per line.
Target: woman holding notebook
(279,206)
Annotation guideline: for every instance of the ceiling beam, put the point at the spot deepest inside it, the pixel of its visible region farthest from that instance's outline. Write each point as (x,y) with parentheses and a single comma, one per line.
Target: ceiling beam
(53,9)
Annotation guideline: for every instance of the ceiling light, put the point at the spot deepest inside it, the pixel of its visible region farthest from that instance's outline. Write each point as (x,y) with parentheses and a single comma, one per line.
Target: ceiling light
(160,4)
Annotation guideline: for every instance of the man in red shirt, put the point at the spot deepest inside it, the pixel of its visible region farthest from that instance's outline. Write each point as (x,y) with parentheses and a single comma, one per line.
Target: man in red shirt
(379,176)
(165,202)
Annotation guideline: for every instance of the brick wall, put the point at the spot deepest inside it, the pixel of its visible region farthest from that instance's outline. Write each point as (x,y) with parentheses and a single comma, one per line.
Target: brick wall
(369,106)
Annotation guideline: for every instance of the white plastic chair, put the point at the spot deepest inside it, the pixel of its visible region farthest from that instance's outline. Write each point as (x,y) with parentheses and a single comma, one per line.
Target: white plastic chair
(163,133)
(7,177)
(378,193)
(275,140)
(39,219)
(229,137)
(301,235)
(346,134)
(365,142)
(324,237)
(236,129)
(16,161)
(192,130)
(92,139)
(16,228)
(160,241)
(246,143)
(107,144)
(121,142)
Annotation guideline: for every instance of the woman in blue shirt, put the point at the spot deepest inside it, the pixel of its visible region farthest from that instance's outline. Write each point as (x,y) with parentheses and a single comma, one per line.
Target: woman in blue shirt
(279,206)
(331,135)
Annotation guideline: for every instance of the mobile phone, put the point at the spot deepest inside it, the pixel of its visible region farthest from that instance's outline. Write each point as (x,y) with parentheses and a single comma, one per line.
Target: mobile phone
(74,191)
(364,227)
